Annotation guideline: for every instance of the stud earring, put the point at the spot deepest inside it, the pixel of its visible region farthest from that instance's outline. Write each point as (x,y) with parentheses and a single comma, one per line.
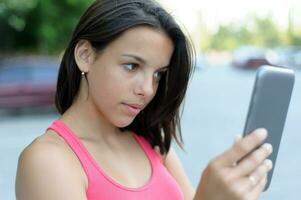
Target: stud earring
(83,73)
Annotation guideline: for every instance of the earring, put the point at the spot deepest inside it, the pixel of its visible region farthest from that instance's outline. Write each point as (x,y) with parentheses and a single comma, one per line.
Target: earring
(83,73)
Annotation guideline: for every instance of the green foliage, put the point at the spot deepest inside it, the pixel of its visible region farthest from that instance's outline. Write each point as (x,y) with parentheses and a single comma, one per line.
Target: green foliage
(258,31)
(13,22)
(223,38)
(45,26)
(267,32)
(41,26)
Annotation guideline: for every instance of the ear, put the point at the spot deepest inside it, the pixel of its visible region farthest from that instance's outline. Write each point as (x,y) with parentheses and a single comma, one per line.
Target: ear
(84,55)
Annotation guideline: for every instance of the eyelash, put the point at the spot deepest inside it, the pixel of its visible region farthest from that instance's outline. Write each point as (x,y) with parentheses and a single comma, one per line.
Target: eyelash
(135,66)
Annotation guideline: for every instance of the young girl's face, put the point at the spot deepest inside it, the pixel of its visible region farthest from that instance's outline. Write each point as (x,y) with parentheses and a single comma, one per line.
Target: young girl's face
(125,76)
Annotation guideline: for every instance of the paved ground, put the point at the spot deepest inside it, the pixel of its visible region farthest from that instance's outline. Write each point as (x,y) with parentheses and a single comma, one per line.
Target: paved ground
(215,110)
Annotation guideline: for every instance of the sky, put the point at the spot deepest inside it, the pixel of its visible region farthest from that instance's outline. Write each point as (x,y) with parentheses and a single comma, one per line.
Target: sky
(214,12)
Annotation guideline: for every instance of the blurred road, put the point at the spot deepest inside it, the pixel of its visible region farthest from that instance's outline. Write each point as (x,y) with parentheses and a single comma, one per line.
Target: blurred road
(215,111)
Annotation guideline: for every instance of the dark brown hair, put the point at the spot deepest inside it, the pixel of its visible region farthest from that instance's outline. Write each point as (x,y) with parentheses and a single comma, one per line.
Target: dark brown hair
(103,22)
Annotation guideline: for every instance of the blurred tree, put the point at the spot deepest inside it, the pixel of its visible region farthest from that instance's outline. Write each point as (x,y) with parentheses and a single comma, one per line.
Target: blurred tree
(42,26)
(224,38)
(266,32)
(45,26)
(203,33)
(15,31)
(58,19)
(292,37)
(244,35)
(257,31)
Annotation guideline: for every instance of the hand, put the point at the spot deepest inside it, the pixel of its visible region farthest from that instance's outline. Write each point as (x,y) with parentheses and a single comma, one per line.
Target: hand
(240,173)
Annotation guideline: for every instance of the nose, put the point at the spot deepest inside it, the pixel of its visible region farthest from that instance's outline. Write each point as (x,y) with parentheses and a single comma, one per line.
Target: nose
(145,86)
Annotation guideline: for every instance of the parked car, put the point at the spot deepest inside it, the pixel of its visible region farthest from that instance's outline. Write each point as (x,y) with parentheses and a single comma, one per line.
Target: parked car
(249,57)
(27,82)
(285,56)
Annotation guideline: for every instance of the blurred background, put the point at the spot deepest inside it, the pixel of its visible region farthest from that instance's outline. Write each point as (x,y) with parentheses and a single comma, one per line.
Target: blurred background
(232,39)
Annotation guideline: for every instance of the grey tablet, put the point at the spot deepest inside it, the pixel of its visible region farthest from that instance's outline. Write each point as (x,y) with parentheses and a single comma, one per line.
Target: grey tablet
(269,105)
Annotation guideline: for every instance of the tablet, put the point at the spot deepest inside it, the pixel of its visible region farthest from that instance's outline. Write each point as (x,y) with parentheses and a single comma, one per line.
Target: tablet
(269,105)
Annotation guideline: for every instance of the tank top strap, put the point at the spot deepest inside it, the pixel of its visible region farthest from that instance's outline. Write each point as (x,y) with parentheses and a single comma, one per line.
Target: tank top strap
(149,151)
(75,144)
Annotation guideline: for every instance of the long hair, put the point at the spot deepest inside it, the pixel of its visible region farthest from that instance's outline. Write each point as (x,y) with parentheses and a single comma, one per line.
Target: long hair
(103,22)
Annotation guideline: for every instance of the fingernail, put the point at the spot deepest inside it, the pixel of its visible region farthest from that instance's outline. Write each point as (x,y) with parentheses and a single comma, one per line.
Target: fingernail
(262,133)
(268,147)
(237,138)
(268,163)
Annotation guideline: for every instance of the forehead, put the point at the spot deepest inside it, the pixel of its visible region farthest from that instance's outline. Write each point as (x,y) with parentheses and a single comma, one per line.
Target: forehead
(153,45)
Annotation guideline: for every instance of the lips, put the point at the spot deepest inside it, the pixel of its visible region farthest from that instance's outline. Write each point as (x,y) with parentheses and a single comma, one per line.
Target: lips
(133,109)
(136,106)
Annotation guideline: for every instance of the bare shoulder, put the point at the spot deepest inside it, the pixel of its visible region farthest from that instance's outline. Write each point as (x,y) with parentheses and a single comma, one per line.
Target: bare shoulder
(48,170)
(47,148)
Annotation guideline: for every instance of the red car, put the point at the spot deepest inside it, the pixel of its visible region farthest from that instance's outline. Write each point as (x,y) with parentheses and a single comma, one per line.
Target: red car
(27,82)
(249,57)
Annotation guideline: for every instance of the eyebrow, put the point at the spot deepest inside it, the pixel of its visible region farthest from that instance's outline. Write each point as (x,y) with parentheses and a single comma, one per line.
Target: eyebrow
(139,59)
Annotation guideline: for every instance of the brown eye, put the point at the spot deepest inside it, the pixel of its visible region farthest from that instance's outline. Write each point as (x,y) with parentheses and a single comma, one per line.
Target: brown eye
(158,75)
(130,66)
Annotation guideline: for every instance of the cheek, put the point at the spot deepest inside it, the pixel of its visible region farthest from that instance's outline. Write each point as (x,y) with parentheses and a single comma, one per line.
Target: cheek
(106,88)
(153,95)
(107,92)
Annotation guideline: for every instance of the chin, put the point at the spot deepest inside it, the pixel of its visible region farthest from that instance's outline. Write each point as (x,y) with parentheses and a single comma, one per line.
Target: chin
(123,123)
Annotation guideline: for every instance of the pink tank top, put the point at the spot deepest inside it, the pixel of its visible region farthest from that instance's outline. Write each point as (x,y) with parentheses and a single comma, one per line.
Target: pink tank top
(160,186)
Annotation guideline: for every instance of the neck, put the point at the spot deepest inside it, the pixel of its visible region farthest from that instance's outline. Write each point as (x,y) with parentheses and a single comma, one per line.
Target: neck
(88,122)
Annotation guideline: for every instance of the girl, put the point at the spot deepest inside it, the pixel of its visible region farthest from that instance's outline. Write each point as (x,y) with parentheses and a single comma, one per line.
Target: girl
(121,82)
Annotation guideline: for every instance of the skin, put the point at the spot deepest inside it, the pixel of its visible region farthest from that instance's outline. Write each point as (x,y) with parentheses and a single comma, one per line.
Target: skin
(126,72)
(232,180)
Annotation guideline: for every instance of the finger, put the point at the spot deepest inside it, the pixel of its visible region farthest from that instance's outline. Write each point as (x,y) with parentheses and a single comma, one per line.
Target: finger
(247,183)
(237,138)
(242,147)
(260,172)
(251,162)
(257,190)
